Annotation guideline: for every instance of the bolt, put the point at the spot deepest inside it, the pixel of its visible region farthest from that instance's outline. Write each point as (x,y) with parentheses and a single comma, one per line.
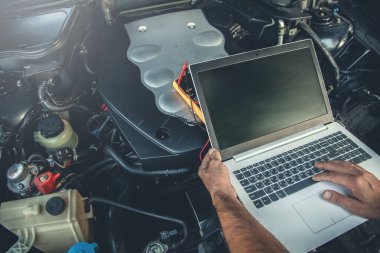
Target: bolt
(143,28)
(43,178)
(191,25)
(20,186)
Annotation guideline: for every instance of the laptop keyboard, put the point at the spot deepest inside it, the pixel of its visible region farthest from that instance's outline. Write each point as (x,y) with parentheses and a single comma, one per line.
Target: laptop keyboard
(284,174)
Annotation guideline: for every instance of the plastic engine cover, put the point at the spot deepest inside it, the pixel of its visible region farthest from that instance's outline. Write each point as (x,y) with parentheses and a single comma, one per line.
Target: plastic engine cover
(160,45)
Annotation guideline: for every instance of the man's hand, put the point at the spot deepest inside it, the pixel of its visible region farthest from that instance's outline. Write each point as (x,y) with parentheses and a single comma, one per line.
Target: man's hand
(364,186)
(214,175)
(242,232)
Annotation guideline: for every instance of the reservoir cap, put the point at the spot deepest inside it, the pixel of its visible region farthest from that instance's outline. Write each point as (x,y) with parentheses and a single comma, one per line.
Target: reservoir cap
(55,206)
(83,247)
(51,126)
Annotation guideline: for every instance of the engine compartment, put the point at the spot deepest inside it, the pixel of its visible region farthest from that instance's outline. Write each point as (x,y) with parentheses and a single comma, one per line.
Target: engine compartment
(87,103)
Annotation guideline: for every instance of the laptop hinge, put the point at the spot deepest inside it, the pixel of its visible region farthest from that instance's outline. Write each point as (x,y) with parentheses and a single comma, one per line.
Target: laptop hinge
(282,142)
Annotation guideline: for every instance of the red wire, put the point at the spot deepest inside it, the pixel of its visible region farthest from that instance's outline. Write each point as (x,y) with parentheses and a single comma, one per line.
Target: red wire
(183,73)
(184,67)
(203,149)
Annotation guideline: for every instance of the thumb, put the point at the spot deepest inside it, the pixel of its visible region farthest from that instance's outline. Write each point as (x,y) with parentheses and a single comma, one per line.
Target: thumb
(215,155)
(341,200)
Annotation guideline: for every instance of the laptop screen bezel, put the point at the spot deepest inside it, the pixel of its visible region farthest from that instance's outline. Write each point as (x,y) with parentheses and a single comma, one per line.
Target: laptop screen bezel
(229,152)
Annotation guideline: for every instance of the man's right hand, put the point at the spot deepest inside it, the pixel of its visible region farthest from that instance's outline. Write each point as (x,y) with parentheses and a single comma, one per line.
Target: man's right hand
(364,186)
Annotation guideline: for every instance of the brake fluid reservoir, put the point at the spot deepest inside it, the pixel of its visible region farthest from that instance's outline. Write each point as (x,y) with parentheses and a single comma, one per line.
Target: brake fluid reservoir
(55,133)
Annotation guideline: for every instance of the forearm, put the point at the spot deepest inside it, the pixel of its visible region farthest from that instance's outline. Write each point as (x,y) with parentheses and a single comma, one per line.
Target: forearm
(242,232)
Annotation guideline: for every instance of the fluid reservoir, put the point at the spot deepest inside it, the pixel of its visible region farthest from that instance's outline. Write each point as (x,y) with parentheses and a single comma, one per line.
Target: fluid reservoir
(55,133)
(52,223)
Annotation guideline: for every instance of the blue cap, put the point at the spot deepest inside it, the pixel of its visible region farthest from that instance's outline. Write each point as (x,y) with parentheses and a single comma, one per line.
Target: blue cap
(83,247)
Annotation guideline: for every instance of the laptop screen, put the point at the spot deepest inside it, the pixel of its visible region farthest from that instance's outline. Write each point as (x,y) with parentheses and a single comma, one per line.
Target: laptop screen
(250,99)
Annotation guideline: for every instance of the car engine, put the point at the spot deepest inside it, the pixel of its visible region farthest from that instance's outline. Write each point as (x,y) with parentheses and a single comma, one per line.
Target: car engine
(97,147)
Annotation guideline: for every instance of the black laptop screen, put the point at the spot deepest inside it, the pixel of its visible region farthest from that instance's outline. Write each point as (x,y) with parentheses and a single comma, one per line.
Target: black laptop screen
(254,98)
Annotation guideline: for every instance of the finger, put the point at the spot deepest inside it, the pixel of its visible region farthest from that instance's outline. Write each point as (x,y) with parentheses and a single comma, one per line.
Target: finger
(336,177)
(348,203)
(338,166)
(215,155)
(216,160)
(207,159)
(358,167)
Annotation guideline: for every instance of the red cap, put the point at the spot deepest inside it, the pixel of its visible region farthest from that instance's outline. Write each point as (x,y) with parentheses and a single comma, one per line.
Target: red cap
(45,182)
(104,108)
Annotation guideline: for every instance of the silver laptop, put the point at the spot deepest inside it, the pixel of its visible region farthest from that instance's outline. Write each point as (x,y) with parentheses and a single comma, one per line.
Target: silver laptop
(268,113)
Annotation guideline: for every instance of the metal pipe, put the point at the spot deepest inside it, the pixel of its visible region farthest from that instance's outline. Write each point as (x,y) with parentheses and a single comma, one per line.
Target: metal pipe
(281,31)
(272,23)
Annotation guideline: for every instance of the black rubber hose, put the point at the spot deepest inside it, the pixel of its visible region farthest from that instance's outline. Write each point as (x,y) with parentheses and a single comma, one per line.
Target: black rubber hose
(49,105)
(325,51)
(30,116)
(96,166)
(116,241)
(86,65)
(98,172)
(139,172)
(86,154)
(83,52)
(94,199)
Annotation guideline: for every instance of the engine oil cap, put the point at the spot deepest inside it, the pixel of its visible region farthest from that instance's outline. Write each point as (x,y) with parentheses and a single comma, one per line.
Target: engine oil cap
(55,206)
(83,247)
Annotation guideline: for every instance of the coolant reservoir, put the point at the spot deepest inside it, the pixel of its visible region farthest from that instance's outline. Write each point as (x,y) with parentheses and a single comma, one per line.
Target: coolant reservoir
(51,223)
(55,133)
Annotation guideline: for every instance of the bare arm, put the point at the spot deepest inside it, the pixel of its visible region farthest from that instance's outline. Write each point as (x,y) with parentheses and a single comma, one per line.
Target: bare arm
(364,186)
(242,232)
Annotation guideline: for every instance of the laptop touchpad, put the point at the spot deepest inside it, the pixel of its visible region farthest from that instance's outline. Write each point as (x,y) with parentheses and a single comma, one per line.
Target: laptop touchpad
(319,214)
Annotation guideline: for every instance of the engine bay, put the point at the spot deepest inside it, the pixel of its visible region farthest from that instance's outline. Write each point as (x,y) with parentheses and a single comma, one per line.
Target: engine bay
(89,114)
